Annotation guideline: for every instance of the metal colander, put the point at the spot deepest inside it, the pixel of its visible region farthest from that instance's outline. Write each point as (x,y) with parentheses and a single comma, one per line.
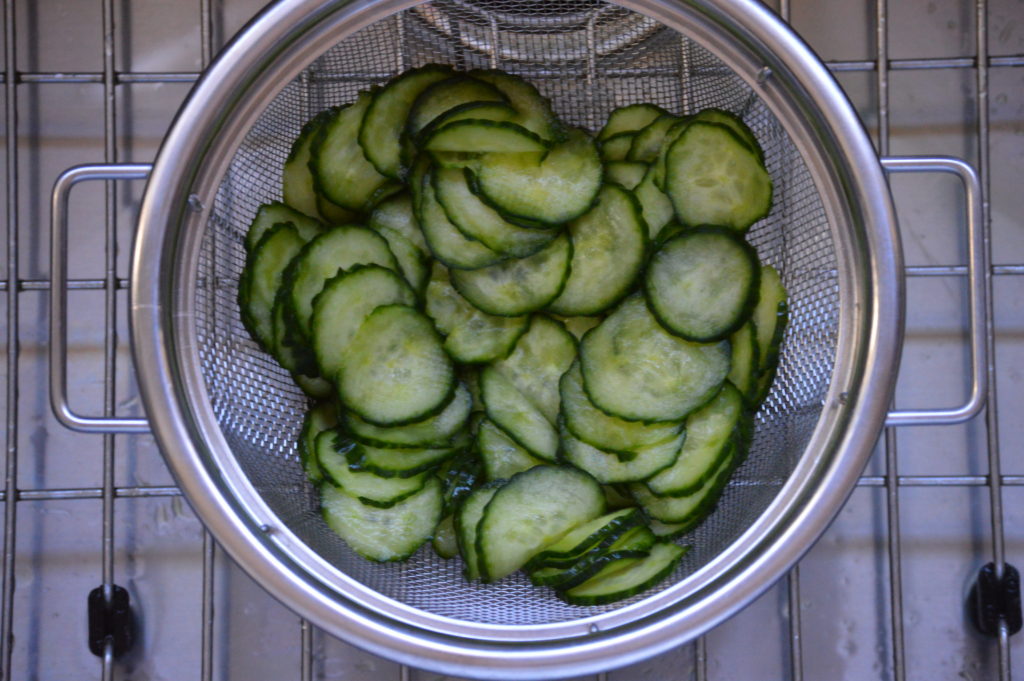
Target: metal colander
(228,417)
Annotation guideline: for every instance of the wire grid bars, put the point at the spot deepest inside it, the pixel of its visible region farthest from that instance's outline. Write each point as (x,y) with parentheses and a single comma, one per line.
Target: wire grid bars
(588,58)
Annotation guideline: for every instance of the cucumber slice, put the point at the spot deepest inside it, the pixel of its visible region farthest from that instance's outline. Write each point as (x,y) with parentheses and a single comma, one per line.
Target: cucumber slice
(609,468)
(687,511)
(345,302)
(291,353)
(262,278)
(770,318)
(561,187)
(615,149)
(514,413)
(625,173)
(472,336)
(479,222)
(445,543)
(319,418)
(656,208)
(296,179)
(467,518)
(713,178)
(340,169)
(603,431)
(534,110)
(395,371)
(708,431)
(413,263)
(444,96)
(438,431)
(475,135)
(635,543)
(459,476)
(446,242)
(532,511)
(502,457)
(702,283)
(339,248)
(636,370)
(609,247)
(519,286)
(630,118)
(383,534)
(597,534)
(734,123)
(647,144)
(369,488)
(620,581)
(332,213)
(479,111)
(396,462)
(314,386)
(270,214)
(384,122)
(396,213)
(537,362)
(744,364)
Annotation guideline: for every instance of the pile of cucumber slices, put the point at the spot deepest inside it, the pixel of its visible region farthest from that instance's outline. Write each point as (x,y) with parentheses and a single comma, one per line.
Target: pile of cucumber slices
(539,348)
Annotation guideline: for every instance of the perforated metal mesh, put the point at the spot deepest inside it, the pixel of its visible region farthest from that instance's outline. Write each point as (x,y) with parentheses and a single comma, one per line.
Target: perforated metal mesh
(588,57)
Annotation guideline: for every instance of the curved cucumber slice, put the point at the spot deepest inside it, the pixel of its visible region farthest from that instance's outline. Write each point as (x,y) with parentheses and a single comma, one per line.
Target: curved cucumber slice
(537,362)
(262,278)
(608,468)
(369,488)
(437,431)
(395,371)
(502,457)
(297,186)
(340,169)
(517,416)
(622,580)
(636,370)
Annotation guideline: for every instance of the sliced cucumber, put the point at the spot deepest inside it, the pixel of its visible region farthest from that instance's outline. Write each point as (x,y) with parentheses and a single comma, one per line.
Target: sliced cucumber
(561,187)
(502,457)
(734,123)
(744,364)
(537,362)
(608,468)
(708,431)
(443,96)
(519,286)
(319,418)
(630,118)
(437,431)
(532,511)
(467,519)
(714,178)
(594,535)
(609,248)
(314,386)
(636,370)
(620,581)
(479,222)
(446,242)
(383,534)
(445,543)
(339,248)
(369,488)
(514,413)
(296,179)
(459,476)
(384,122)
(625,173)
(262,279)
(770,318)
(396,462)
(534,110)
(472,336)
(478,111)
(475,136)
(702,283)
(635,543)
(396,213)
(340,169)
(270,214)
(687,511)
(603,431)
(615,149)
(345,302)
(656,208)
(647,144)
(394,371)
(291,353)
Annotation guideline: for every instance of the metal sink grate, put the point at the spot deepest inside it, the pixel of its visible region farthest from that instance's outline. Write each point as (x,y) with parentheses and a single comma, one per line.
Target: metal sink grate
(878,598)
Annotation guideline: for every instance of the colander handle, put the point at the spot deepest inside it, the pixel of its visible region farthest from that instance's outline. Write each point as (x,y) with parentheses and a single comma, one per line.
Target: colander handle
(977,272)
(59,297)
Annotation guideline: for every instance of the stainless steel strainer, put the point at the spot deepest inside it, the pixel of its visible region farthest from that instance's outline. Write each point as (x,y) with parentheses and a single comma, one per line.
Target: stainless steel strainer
(226,416)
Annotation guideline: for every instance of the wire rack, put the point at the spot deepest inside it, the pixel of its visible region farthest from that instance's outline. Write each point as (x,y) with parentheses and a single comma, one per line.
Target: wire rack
(880,596)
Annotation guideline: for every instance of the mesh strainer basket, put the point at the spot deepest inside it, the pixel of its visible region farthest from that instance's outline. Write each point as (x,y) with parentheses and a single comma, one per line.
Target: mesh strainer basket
(227,416)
